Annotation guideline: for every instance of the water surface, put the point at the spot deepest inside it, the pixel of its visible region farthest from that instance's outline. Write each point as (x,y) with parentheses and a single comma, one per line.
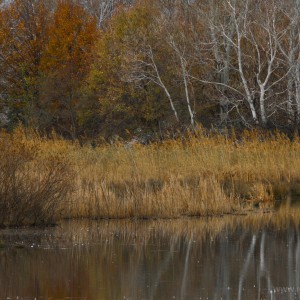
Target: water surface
(223,258)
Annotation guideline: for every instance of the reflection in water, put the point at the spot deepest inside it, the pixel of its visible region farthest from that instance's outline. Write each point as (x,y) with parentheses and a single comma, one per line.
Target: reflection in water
(225,258)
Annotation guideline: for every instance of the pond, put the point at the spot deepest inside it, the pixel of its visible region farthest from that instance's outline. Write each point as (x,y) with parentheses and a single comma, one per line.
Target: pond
(221,258)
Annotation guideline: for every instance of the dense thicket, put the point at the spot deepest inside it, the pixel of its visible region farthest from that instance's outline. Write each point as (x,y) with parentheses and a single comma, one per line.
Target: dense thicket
(109,67)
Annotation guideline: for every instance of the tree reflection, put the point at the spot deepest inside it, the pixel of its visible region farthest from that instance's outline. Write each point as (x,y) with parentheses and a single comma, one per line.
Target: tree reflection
(185,259)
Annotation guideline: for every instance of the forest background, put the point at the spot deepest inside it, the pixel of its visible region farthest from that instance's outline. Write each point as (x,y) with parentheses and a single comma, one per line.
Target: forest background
(89,68)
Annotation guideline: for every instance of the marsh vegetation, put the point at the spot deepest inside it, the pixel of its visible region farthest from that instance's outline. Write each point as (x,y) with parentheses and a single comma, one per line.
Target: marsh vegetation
(200,174)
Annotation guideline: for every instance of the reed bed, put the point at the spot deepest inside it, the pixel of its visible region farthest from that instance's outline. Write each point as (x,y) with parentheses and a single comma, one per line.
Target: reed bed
(202,174)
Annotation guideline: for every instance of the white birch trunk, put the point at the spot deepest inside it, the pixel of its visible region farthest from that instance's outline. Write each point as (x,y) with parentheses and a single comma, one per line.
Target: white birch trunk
(186,89)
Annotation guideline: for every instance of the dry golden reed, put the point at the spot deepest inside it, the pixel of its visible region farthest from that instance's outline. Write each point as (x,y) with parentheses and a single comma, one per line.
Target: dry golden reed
(200,175)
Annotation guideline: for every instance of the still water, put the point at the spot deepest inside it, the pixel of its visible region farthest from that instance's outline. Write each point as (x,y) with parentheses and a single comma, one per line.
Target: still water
(225,258)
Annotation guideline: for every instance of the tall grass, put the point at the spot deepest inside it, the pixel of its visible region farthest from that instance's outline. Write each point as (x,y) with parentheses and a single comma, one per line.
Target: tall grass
(202,175)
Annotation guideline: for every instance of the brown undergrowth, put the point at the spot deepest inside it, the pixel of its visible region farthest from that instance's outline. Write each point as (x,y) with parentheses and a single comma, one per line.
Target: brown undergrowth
(32,186)
(202,175)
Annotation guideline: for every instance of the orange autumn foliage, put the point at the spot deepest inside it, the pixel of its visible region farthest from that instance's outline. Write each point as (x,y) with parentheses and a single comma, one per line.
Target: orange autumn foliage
(71,37)
(23,27)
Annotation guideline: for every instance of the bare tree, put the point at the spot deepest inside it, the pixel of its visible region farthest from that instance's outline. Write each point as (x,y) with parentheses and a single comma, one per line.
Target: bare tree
(145,68)
(180,53)
(103,9)
(216,47)
(290,49)
(250,55)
